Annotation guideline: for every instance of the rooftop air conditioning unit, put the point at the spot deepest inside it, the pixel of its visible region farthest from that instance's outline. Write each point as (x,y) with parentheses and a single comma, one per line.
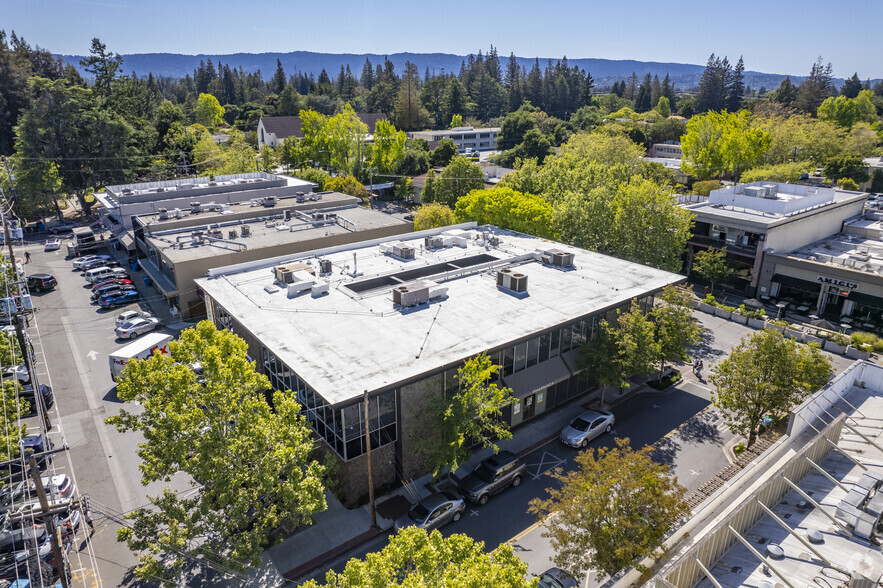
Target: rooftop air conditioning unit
(195,208)
(325,266)
(411,294)
(286,215)
(512,280)
(178,213)
(269,201)
(403,251)
(435,242)
(559,258)
(246,230)
(232,234)
(163,214)
(284,274)
(299,197)
(160,189)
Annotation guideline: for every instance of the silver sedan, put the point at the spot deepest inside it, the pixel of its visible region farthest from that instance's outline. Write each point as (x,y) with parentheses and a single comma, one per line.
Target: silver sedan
(137,326)
(433,512)
(586,427)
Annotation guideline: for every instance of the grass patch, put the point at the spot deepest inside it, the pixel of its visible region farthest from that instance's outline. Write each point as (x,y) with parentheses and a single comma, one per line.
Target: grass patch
(739,449)
(670,378)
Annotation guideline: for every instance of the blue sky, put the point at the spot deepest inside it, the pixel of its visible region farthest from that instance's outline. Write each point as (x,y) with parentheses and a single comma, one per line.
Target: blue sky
(774,36)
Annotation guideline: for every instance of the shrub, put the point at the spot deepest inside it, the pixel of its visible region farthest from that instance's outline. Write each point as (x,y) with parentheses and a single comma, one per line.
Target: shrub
(839,339)
(758,313)
(860,338)
(314,175)
(705,188)
(780,323)
(709,299)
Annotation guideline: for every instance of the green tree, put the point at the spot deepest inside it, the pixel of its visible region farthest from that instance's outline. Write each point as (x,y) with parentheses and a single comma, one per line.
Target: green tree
(252,464)
(614,508)
(705,188)
(508,209)
(268,159)
(846,112)
(766,375)
(721,142)
(428,194)
(622,350)
(414,557)
(344,133)
(785,93)
(410,112)
(209,112)
(388,148)
(433,216)
(456,121)
(712,265)
(103,65)
(444,152)
(663,107)
(315,175)
(347,185)
(460,177)
(846,166)
(602,148)
(676,329)
(783,172)
(877,181)
(469,414)
(12,430)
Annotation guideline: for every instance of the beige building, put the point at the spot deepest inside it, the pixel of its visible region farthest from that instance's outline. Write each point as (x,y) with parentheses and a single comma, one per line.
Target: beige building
(391,320)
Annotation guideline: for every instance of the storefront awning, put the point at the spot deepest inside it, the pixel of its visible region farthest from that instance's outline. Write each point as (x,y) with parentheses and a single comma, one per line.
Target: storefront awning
(797,283)
(865,299)
(536,378)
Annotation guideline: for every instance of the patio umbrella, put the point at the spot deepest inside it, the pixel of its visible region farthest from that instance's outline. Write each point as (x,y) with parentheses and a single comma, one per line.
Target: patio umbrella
(753,303)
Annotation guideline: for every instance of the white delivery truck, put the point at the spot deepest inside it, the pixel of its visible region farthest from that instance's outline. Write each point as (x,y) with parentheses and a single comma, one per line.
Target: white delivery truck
(140,349)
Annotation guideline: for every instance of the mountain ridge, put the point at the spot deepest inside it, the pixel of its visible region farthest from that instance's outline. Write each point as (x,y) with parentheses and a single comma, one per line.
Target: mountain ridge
(605,71)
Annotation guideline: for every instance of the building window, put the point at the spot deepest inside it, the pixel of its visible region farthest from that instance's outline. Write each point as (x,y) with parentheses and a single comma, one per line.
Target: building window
(484,135)
(520,357)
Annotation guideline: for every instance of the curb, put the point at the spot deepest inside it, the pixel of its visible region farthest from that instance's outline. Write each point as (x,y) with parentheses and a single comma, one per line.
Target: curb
(330,555)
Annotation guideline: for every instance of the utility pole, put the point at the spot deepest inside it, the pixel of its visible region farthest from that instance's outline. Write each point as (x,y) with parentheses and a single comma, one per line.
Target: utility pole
(49,518)
(370,466)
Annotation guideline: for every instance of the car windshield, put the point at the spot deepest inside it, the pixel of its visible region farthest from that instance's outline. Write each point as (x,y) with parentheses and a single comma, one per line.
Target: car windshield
(418,513)
(580,425)
(551,581)
(483,472)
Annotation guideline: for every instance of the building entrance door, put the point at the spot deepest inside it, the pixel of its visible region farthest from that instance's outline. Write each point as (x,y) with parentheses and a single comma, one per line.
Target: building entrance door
(530,406)
(834,303)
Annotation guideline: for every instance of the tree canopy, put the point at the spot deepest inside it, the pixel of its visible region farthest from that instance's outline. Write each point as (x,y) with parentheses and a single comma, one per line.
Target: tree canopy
(764,376)
(433,216)
(508,209)
(252,464)
(614,508)
(460,177)
(722,142)
(414,557)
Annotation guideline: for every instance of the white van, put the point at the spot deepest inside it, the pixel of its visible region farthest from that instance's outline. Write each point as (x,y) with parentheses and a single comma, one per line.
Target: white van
(102,273)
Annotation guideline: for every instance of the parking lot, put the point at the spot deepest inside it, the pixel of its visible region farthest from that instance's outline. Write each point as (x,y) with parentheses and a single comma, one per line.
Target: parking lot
(72,338)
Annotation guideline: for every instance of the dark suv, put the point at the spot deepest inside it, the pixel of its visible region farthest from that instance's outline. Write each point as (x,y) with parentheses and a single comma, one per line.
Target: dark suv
(41,282)
(492,475)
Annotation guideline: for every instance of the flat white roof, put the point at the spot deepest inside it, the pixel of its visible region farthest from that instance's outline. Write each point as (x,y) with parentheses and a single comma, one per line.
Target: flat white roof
(354,338)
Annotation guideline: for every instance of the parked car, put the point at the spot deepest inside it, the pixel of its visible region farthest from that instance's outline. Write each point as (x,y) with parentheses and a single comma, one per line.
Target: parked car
(41,282)
(118,298)
(491,476)
(128,315)
(27,393)
(81,261)
(434,511)
(103,273)
(109,288)
(137,326)
(52,245)
(100,263)
(17,372)
(557,578)
(110,281)
(56,227)
(586,427)
(59,486)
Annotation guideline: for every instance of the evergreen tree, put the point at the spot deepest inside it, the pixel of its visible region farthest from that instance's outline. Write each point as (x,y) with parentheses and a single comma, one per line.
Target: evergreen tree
(410,113)
(367,79)
(815,88)
(104,65)
(513,83)
(642,98)
(712,94)
(533,89)
(587,86)
(851,87)
(736,86)
(279,78)
(785,93)
(631,89)
(655,92)
(668,91)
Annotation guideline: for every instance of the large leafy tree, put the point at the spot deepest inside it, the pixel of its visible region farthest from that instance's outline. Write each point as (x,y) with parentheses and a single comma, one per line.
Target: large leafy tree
(252,464)
(460,177)
(388,148)
(414,557)
(721,142)
(470,413)
(765,375)
(676,329)
(614,508)
(209,112)
(846,112)
(846,166)
(432,216)
(508,209)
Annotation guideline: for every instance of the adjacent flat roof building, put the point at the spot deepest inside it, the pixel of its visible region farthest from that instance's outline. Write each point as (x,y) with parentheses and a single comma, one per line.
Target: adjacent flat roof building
(394,318)
(755,220)
(806,512)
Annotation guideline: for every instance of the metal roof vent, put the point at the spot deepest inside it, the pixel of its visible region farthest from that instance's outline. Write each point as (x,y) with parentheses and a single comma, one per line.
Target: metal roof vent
(815,536)
(774,551)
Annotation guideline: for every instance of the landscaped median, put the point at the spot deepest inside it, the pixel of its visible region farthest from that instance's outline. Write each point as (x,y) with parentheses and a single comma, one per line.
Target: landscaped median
(858,345)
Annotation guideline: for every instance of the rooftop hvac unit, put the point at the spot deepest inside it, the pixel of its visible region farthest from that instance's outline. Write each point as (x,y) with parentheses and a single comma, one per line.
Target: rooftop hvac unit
(246,230)
(299,197)
(232,234)
(319,289)
(178,213)
(163,214)
(512,280)
(286,215)
(559,258)
(324,266)
(754,191)
(284,273)
(314,196)
(195,208)
(269,201)
(436,242)
(410,294)
(403,251)
(160,189)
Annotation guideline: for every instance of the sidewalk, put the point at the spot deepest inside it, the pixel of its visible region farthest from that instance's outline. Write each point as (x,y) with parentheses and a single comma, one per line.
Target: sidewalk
(338,530)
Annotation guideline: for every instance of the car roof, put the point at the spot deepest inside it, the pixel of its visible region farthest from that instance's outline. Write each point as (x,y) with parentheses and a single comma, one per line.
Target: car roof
(500,458)
(40,276)
(434,500)
(591,415)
